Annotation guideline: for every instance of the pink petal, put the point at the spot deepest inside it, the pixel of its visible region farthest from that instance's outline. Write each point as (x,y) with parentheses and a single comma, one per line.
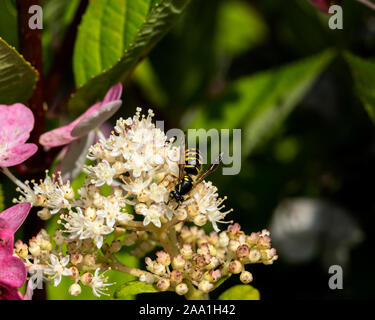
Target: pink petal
(323,5)
(16,122)
(96,118)
(63,135)
(113,93)
(9,293)
(29,292)
(57,137)
(17,154)
(12,272)
(6,243)
(16,215)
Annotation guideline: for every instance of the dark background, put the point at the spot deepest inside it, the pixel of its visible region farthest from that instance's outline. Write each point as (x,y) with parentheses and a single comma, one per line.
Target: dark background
(332,137)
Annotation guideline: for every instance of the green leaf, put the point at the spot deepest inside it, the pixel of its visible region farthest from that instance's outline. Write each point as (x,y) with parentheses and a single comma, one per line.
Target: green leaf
(57,17)
(107,29)
(8,22)
(136,46)
(132,288)
(261,102)
(17,76)
(240,292)
(240,27)
(363,72)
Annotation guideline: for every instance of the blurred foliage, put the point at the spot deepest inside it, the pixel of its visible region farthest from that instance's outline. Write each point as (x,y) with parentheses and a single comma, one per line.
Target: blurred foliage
(137,44)
(273,69)
(364,76)
(8,22)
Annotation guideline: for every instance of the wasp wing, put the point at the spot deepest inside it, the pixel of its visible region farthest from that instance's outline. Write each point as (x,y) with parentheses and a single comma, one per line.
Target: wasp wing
(211,169)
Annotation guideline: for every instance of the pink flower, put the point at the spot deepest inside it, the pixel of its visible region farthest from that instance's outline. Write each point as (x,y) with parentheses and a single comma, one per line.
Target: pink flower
(85,123)
(323,5)
(16,123)
(80,133)
(12,269)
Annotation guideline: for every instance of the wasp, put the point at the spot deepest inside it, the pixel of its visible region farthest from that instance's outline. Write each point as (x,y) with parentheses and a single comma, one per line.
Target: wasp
(190,168)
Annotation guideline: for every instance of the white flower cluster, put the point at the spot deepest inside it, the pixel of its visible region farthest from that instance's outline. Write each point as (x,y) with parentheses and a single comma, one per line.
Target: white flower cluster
(44,264)
(127,193)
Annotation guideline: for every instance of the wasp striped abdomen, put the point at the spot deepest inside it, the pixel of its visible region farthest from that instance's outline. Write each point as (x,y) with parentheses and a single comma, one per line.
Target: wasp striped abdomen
(193,161)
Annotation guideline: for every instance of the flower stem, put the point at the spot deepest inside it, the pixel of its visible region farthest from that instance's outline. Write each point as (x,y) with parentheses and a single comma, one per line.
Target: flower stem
(100,134)
(367,3)
(117,265)
(13,178)
(195,294)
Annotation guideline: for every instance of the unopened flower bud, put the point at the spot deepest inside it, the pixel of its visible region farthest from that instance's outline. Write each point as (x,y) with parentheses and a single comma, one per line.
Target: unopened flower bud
(214,238)
(235,267)
(163,258)
(254,255)
(59,238)
(46,245)
(264,242)
(147,278)
(233,245)
(200,220)
(178,262)
(21,249)
(197,275)
(140,208)
(89,260)
(215,275)
(159,269)
(98,200)
(199,260)
(68,193)
(242,251)
(186,251)
(41,200)
(246,277)
(181,214)
(205,286)
(182,289)
(252,239)
(90,213)
(223,239)
(74,273)
(163,284)
(75,289)
(34,249)
(176,276)
(44,214)
(76,258)
(193,210)
(234,229)
(119,167)
(86,278)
